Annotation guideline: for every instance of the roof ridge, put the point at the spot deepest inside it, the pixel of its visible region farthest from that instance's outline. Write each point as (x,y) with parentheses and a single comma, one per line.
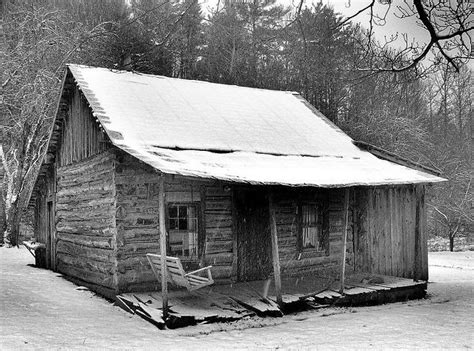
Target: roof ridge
(114,70)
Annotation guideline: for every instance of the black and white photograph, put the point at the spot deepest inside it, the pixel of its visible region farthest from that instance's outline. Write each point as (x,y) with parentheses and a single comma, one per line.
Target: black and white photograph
(236,175)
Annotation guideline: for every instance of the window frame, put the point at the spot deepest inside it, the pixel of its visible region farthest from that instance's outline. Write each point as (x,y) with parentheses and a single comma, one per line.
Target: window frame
(199,230)
(321,225)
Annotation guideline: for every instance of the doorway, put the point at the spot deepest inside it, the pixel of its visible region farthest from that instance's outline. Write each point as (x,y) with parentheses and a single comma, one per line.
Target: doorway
(253,234)
(51,237)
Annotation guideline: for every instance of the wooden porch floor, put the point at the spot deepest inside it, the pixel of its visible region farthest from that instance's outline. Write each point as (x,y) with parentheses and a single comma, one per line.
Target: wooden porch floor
(232,302)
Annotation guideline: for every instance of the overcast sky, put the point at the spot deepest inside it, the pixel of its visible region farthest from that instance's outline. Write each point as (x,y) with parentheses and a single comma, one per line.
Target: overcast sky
(393,25)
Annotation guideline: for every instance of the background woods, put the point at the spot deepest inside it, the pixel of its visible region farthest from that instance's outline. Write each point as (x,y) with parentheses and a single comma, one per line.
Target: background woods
(426,118)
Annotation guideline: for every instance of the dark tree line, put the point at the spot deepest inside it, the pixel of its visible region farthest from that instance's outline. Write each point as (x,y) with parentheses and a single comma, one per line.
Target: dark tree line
(258,44)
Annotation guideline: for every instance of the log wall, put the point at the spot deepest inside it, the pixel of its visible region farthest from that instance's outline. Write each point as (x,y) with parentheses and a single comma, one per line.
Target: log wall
(391,237)
(292,259)
(137,222)
(85,221)
(137,225)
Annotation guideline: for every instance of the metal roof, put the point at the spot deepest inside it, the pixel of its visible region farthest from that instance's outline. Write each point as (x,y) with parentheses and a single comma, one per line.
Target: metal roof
(231,133)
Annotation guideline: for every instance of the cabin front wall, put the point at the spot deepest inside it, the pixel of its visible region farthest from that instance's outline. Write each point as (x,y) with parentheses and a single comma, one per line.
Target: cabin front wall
(385,233)
(137,223)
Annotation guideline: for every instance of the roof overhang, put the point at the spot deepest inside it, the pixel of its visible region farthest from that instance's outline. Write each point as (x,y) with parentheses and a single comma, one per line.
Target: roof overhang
(265,169)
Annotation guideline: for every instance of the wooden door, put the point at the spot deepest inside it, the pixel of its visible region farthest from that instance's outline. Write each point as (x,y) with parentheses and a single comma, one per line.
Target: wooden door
(253,234)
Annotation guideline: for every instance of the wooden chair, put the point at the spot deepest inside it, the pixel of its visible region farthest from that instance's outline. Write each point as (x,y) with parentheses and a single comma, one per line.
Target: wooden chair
(177,275)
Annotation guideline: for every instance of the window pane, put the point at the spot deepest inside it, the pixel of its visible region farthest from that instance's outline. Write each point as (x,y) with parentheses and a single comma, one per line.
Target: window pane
(309,214)
(183,224)
(183,230)
(173,224)
(173,211)
(310,237)
(183,211)
(311,228)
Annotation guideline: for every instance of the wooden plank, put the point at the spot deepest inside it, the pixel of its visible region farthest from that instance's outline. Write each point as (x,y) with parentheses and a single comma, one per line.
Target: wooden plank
(424,236)
(344,245)
(249,298)
(380,231)
(371,242)
(358,291)
(395,228)
(388,231)
(275,253)
(418,251)
(162,219)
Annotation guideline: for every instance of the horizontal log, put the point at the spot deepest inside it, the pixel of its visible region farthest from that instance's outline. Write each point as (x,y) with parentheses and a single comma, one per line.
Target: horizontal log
(88,164)
(137,248)
(82,226)
(88,253)
(96,203)
(85,216)
(87,276)
(221,272)
(133,177)
(131,277)
(219,234)
(90,199)
(89,265)
(87,240)
(218,205)
(102,186)
(80,180)
(218,221)
(85,229)
(218,247)
(217,191)
(312,261)
(285,230)
(287,242)
(220,259)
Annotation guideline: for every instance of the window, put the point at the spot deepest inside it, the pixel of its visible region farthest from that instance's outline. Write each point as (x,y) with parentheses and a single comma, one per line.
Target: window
(312,237)
(183,230)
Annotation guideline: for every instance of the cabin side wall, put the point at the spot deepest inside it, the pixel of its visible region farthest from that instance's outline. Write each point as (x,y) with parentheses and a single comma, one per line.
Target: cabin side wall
(85,221)
(75,200)
(390,237)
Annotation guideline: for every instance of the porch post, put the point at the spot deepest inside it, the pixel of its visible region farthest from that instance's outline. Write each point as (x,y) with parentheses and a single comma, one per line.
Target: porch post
(275,254)
(164,270)
(344,246)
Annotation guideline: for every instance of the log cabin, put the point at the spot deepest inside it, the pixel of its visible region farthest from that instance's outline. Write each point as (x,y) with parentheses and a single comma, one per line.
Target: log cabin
(255,182)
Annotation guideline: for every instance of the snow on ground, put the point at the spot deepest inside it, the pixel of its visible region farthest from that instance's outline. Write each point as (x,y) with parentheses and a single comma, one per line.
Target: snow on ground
(41,310)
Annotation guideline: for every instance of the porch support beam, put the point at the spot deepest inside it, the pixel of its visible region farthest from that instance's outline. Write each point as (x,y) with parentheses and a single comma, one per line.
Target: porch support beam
(275,254)
(344,236)
(164,269)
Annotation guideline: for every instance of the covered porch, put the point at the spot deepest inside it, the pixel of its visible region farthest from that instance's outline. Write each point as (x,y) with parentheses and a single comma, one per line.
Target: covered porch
(231,302)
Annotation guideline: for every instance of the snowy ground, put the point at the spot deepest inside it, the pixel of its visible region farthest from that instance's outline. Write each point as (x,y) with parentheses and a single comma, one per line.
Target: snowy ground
(40,310)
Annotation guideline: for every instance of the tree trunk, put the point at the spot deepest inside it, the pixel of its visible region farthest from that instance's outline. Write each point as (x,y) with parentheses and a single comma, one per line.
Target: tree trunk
(451,243)
(11,234)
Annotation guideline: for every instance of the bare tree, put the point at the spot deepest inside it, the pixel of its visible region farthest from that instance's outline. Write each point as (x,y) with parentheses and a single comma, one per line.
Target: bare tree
(451,206)
(449,26)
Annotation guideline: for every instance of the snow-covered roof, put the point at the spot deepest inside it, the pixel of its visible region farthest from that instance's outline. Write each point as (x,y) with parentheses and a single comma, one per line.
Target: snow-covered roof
(232,133)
